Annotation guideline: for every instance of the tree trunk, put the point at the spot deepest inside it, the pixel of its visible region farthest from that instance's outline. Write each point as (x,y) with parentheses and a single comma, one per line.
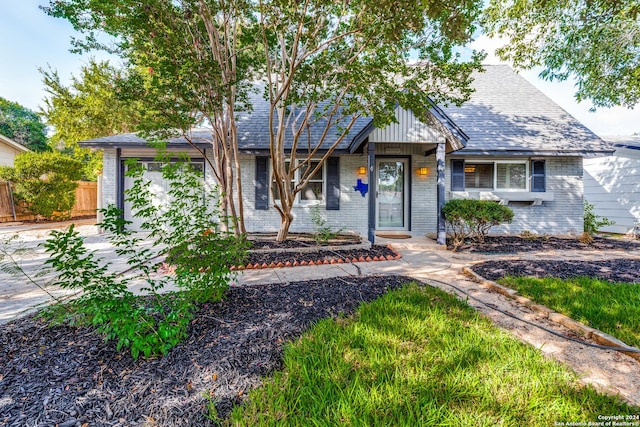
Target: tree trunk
(285,223)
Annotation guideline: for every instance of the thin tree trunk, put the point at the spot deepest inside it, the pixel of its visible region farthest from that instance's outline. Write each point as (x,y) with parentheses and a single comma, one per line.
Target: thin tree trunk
(285,224)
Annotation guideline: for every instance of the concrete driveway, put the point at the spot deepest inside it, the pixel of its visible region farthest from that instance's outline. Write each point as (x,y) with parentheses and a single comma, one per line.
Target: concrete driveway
(21,293)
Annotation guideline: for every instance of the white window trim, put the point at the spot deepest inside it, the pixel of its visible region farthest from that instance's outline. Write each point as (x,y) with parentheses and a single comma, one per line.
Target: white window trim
(495,175)
(296,179)
(511,162)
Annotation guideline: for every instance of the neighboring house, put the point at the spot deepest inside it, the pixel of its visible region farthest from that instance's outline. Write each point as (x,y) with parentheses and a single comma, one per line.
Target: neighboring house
(509,143)
(612,184)
(9,149)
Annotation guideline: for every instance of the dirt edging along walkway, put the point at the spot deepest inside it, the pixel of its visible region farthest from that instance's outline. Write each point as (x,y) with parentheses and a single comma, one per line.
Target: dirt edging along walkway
(598,336)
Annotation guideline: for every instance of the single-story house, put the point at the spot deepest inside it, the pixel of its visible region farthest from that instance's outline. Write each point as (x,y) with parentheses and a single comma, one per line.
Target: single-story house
(9,149)
(612,184)
(509,143)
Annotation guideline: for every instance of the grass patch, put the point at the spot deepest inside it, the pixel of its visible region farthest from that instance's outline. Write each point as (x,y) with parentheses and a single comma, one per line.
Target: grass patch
(418,356)
(613,308)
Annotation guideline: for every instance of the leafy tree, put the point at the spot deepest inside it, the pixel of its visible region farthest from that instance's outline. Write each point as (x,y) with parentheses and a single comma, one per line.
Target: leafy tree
(90,107)
(46,181)
(329,63)
(594,41)
(193,58)
(22,125)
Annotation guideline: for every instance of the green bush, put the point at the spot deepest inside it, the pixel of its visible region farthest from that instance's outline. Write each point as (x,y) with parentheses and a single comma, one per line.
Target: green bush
(593,222)
(185,230)
(468,218)
(46,181)
(322,232)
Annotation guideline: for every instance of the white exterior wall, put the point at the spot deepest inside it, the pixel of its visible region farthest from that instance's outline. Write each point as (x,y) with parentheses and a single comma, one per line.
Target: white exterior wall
(352,216)
(562,216)
(109,177)
(7,154)
(612,185)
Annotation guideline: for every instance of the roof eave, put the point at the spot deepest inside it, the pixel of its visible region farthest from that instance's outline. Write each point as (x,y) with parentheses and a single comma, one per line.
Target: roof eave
(11,143)
(520,152)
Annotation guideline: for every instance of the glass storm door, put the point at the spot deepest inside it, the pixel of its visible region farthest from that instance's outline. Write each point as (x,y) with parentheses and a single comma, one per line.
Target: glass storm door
(391,206)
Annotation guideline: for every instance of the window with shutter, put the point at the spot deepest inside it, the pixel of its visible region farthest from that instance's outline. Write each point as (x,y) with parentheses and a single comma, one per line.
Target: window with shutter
(323,185)
(261,183)
(457,175)
(333,184)
(538,176)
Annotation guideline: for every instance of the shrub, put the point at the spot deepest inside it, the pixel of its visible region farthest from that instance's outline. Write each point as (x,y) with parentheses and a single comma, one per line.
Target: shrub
(468,218)
(46,181)
(185,229)
(593,222)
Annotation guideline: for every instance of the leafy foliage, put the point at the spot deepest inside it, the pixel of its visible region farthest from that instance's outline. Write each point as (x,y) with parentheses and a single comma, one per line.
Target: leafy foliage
(595,42)
(184,229)
(22,125)
(322,232)
(329,63)
(45,180)
(192,62)
(593,222)
(467,218)
(91,106)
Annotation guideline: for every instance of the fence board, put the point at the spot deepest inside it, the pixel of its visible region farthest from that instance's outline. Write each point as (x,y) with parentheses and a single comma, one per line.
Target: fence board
(5,200)
(86,199)
(86,203)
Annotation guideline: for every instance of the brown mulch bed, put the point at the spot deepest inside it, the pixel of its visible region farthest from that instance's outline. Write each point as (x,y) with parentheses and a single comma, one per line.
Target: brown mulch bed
(621,270)
(514,244)
(68,376)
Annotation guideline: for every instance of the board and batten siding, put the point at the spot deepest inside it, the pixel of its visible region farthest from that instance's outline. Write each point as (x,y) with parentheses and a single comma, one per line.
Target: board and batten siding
(612,185)
(406,129)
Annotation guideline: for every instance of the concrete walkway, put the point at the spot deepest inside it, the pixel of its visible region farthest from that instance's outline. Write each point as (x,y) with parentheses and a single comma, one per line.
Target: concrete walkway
(419,256)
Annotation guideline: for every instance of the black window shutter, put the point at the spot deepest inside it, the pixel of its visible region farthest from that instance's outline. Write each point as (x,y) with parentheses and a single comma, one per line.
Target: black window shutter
(457,175)
(262,183)
(333,184)
(538,181)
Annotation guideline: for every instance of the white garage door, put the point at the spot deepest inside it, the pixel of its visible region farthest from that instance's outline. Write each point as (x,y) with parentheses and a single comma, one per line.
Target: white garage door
(158,185)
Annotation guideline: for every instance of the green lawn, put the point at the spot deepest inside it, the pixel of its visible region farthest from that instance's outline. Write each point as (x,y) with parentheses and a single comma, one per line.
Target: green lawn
(418,357)
(613,308)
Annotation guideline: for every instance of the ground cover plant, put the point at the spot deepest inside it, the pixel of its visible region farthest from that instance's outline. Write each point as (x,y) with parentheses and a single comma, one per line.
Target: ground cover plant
(611,307)
(418,356)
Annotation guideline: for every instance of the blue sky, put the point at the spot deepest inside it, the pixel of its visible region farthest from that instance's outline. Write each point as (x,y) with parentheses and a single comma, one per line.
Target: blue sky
(31,39)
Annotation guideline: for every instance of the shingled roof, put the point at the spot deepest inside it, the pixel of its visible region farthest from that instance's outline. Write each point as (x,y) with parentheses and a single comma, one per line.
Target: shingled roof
(508,115)
(505,115)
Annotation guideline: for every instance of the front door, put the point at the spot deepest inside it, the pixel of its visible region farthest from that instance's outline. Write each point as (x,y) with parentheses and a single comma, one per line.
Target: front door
(391,191)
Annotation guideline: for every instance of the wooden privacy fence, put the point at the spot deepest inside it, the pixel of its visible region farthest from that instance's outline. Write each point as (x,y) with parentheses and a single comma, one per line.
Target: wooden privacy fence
(86,203)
